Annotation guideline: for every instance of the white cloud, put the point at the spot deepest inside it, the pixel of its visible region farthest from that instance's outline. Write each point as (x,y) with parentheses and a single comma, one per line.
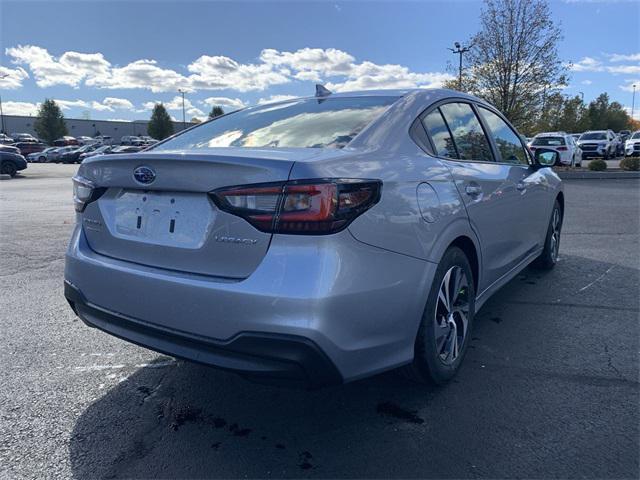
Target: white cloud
(20,108)
(586,82)
(628,87)
(141,74)
(275,98)
(219,72)
(118,120)
(67,104)
(587,64)
(69,69)
(176,105)
(617,57)
(13,78)
(625,69)
(224,102)
(328,62)
(117,103)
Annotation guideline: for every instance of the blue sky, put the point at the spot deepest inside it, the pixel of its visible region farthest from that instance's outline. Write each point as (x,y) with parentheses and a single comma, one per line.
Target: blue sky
(114,59)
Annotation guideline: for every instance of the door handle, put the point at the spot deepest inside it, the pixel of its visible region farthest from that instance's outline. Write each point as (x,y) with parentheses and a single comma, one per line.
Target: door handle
(473,190)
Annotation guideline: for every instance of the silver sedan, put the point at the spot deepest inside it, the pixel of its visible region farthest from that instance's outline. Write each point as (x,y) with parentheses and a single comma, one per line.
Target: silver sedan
(316,240)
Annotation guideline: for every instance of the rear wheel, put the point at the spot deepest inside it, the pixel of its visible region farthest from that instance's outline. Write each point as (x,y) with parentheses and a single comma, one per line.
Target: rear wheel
(549,256)
(9,168)
(446,323)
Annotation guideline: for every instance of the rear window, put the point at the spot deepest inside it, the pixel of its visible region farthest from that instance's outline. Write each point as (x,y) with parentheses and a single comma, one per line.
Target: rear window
(548,141)
(311,123)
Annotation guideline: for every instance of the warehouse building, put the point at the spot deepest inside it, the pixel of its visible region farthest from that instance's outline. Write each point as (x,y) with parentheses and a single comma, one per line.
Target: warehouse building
(80,127)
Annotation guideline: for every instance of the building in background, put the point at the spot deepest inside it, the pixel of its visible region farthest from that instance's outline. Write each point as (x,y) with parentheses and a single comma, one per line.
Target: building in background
(80,127)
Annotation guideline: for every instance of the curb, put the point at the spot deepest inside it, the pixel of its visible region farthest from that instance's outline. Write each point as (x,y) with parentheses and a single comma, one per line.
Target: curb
(4,176)
(597,175)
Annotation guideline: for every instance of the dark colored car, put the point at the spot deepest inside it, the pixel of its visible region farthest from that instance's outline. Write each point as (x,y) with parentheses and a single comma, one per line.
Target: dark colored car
(73,156)
(11,163)
(10,149)
(29,147)
(65,142)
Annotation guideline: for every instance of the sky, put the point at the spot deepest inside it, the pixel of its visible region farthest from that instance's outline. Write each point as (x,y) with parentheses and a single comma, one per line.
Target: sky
(115,59)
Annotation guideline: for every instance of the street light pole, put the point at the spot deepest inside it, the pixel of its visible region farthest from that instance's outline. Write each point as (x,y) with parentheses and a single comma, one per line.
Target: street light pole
(633,101)
(3,76)
(184,123)
(581,96)
(460,50)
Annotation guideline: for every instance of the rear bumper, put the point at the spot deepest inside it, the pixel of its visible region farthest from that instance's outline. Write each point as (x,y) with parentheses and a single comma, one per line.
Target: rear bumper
(275,358)
(354,307)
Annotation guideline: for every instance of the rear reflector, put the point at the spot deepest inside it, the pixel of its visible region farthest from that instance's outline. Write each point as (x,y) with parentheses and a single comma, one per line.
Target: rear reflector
(311,207)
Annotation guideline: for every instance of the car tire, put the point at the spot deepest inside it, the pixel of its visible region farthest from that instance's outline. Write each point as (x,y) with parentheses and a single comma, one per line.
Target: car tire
(439,347)
(549,256)
(9,168)
(606,155)
(42,159)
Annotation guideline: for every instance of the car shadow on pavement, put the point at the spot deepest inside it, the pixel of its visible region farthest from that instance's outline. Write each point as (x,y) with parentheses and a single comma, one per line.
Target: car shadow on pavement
(182,420)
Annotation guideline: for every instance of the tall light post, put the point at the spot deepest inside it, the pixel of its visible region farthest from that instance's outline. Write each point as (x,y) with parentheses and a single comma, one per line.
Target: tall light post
(581,96)
(2,77)
(633,101)
(184,123)
(460,50)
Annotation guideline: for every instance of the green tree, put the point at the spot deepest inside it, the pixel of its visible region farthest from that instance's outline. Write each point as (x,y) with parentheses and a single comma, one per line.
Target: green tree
(216,112)
(50,124)
(602,114)
(514,62)
(160,125)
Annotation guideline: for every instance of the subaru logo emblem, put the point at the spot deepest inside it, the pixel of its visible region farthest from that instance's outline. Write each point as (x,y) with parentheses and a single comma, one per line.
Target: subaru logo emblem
(144,175)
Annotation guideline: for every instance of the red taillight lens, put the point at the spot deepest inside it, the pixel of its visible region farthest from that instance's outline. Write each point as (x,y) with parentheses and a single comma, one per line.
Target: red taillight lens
(562,149)
(313,207)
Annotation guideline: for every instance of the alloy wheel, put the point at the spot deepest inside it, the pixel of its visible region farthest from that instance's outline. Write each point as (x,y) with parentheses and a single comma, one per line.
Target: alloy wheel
(452,315)
(555,234)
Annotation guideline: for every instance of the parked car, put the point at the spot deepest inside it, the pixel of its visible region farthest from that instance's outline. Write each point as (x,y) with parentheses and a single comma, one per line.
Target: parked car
(40,157)
(4,139)
(29,147)
(130,140)
(105,139)
(597,143)
(84,140)
(102,149)
(11,163)
(24,137)
(73,156)
(322,242)
(65,141)
(9,148)
(569,152)
(55,155)
(576,136)
(632,145)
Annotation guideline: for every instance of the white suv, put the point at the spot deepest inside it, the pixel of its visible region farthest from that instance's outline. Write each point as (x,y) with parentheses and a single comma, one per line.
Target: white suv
(598,143)
(561,142)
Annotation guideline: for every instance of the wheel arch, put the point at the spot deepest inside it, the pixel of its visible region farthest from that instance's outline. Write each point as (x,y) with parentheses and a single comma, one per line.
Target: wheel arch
(465,244)
(560,198)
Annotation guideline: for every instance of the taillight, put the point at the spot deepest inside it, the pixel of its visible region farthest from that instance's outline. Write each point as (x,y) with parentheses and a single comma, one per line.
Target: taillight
(311,207)
(562,149)
(84,192)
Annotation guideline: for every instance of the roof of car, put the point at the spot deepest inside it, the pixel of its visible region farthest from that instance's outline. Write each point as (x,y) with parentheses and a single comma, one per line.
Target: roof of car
(433,94)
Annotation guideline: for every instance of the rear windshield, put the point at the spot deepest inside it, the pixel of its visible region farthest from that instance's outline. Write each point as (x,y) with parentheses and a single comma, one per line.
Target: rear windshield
(548,141)
(594,136)
(312,123)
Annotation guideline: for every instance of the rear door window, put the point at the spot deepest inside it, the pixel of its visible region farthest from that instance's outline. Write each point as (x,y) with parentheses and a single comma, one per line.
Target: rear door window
(468,135)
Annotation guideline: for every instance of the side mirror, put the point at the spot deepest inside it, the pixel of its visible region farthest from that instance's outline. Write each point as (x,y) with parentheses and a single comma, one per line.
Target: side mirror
(545,157)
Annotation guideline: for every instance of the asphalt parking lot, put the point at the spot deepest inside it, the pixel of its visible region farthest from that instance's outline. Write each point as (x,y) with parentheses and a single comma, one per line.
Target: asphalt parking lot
(549,389)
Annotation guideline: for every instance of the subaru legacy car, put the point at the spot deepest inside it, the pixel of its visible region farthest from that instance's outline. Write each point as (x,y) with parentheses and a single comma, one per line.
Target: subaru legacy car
(316,240)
